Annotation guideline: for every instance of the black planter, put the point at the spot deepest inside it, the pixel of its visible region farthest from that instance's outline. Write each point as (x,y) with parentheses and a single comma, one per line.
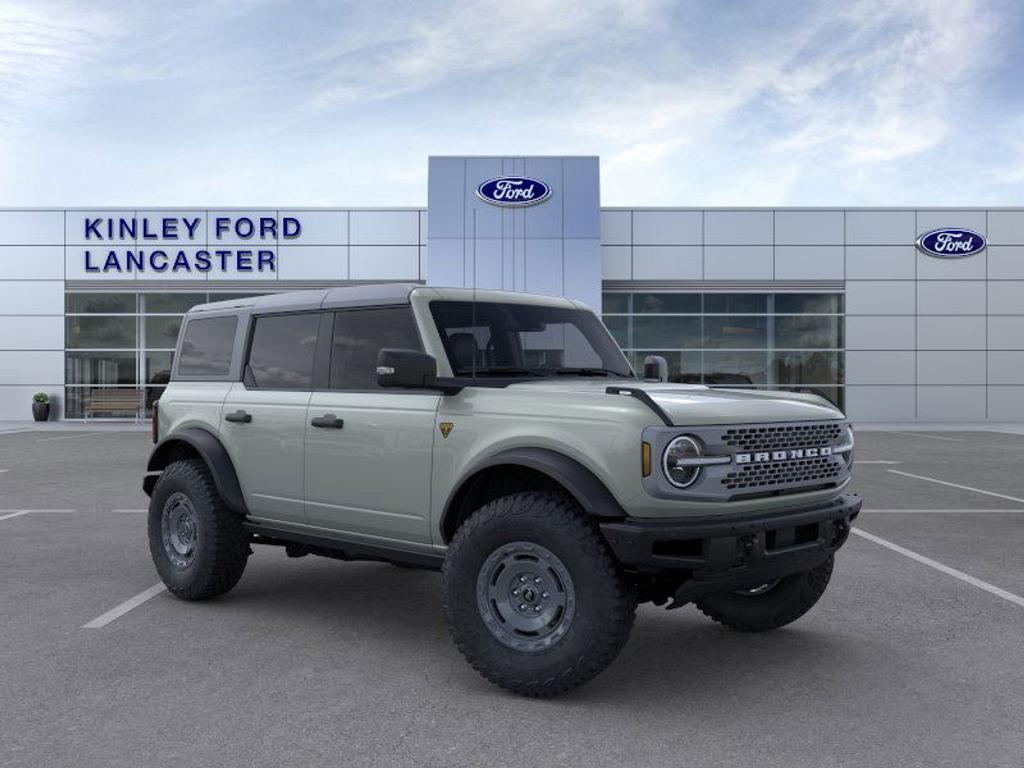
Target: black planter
(41,411)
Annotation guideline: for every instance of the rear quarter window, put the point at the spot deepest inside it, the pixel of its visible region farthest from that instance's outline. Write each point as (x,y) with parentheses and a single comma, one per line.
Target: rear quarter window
(206,346)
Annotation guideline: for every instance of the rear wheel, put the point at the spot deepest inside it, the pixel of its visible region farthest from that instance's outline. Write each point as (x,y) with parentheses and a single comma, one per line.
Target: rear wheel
(771,605)
(533,598)
(198,545)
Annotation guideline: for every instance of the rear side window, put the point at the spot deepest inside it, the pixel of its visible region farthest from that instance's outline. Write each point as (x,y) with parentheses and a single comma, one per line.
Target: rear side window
(206,346)
(359,334)
(282,351)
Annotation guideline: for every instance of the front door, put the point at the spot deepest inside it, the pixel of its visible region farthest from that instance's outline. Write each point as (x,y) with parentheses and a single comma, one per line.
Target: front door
(368,450)
(264,417)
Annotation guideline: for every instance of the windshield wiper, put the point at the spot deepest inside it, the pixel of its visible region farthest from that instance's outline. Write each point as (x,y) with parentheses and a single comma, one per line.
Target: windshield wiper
(585,372)
(504,371)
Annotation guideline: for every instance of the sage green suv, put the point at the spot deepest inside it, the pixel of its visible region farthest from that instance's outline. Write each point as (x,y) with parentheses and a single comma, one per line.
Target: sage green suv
(503,439)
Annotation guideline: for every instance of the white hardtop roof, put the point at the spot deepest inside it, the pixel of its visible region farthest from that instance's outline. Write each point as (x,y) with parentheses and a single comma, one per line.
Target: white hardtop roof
(373,294)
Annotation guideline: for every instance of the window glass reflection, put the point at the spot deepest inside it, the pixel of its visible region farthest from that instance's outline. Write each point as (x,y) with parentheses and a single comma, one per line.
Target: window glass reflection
(737,332)
(811,331)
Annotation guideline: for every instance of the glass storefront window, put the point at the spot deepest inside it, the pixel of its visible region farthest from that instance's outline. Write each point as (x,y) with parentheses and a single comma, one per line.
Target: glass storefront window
(808,367)
(735,303)
(99,332)
(774,341)
(124,340)
(666,303)
(735,368)
(736,332)
(100,368)
(171,303)
(809,303)
(615,303)
(162,332)
(662,332)
(808,331)
(158,367)
(100,303)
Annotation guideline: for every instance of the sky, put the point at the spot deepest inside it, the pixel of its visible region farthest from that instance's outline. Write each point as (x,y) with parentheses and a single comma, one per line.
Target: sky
(262,103)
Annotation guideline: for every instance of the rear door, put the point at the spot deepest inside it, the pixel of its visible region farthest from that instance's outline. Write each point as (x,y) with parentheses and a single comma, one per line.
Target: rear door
(264,416)
(368,450)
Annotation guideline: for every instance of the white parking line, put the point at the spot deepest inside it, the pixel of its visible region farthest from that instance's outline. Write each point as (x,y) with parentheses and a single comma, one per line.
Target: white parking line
(965,577)
(127,511)
(956,485)
(5,470)
(118,611)
(9,513)
(930,437)
(947,511)
(68,437)
(875,461)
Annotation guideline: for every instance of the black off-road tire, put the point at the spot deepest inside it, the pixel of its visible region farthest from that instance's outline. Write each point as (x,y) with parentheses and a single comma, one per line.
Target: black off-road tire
(784,603)
(221,545)
(603,606)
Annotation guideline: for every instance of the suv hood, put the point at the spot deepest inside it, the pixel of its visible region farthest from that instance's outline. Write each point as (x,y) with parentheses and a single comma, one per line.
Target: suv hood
(691,404)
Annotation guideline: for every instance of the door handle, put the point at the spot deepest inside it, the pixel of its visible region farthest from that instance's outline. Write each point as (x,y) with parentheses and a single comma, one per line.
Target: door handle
(238,417)
(327,421)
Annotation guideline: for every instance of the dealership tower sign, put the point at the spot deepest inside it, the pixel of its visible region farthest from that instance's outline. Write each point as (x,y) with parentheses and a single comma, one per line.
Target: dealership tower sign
(513,191)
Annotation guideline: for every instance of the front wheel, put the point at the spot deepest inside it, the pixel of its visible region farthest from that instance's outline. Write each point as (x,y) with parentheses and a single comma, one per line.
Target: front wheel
(768,606)
(533,598)
(198,545)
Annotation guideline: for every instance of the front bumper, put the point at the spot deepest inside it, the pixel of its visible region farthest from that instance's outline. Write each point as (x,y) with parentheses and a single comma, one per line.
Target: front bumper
(721,554)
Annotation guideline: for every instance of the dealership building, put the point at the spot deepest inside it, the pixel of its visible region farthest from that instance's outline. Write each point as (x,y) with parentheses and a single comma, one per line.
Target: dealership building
(896,314)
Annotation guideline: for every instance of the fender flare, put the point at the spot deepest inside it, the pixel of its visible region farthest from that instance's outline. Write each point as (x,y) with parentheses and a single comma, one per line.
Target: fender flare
(582,484)
(214,455)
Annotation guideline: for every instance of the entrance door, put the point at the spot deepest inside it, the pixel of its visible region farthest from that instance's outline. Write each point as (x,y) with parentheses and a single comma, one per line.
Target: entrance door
(368,450)
(264,416)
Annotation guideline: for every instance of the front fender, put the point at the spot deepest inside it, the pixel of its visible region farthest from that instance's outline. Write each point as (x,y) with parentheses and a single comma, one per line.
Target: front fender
(580,482)
(214,455)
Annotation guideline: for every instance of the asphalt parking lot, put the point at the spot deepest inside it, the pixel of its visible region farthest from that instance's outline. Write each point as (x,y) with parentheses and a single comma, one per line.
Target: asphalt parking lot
(914,657)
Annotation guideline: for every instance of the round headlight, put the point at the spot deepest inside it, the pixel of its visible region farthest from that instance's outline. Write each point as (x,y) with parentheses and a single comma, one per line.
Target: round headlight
(684,447)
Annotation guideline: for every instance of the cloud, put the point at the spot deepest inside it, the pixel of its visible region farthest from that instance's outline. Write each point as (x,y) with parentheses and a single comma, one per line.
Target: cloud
(687,103)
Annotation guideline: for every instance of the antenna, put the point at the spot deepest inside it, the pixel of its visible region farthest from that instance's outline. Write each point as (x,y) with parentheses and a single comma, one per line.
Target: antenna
(473,323)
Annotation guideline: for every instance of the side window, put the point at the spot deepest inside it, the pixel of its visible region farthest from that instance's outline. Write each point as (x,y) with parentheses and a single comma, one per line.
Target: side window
(206,346)
(359,334)
(282,349)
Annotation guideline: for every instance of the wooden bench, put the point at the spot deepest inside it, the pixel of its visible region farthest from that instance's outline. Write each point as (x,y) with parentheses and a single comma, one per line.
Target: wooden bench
(111,401)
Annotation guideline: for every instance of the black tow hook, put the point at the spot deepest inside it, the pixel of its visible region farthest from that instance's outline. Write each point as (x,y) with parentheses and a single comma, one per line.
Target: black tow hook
(744,546)
(842,531)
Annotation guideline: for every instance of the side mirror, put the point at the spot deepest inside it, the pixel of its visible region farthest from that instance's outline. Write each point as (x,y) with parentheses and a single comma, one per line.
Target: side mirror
(656,368)
(406,368)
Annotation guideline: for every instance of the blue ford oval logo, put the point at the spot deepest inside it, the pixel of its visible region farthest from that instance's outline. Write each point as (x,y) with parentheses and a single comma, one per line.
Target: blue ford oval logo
(951,243)
(514,191)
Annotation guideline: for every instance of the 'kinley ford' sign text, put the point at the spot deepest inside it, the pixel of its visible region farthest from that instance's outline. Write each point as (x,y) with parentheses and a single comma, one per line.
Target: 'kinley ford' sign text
(186,244)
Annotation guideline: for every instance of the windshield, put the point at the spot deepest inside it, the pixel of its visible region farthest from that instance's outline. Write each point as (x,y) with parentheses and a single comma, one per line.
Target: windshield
(492,339)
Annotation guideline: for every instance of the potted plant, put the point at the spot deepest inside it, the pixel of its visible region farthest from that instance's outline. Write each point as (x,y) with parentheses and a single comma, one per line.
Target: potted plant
(41,406)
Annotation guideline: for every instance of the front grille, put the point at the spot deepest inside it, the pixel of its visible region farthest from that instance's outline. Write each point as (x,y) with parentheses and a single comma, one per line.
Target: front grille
(820,470)
(767,438)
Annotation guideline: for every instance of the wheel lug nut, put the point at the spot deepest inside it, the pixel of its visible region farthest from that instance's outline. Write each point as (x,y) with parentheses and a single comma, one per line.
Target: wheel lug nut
(536,579)
(536,609)
(515,591)
(522,578)
(544,594)
(522,606)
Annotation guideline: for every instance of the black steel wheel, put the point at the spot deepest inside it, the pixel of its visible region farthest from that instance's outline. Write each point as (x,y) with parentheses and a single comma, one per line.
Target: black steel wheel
(198,545)
(534,599)
(525,596)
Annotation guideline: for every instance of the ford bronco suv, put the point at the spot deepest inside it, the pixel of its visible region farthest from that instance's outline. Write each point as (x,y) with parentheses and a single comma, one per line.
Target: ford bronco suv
(503,439)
